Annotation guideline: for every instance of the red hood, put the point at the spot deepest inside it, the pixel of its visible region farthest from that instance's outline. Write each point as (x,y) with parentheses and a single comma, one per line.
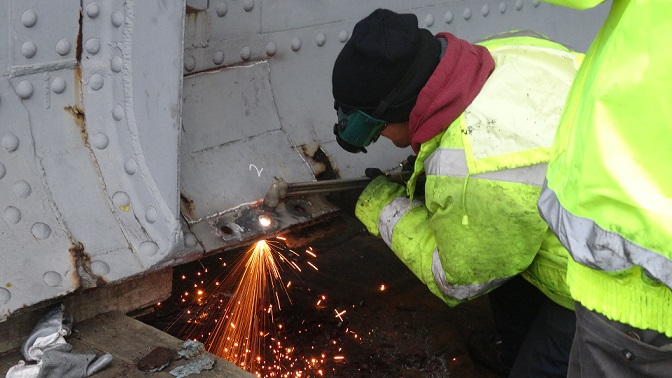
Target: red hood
(456,81)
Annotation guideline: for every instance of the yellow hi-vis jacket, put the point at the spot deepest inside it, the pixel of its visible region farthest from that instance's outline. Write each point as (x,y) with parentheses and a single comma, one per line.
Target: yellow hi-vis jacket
(609,191)
(479,224)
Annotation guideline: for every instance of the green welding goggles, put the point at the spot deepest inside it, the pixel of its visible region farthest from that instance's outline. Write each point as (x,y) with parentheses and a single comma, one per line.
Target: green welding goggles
(356,129)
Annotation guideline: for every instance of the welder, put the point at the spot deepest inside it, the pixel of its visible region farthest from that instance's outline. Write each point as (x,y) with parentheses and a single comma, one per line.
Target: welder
(609,194)
(481,119)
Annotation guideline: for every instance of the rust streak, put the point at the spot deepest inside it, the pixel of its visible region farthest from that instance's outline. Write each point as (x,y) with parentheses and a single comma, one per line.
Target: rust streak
(188,206)
(79,47)
(80,120)
(81,262)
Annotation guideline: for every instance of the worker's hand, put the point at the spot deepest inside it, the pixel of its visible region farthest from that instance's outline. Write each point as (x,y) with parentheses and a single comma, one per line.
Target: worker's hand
(372,173)
(408,165)
(345,199)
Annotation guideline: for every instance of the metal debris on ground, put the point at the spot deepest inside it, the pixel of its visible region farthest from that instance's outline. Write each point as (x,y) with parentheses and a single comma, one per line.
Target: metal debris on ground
(195,367)
(190,348)
(157,360)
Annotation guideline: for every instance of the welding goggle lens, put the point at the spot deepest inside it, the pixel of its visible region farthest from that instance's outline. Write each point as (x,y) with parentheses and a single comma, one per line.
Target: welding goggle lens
(357,129)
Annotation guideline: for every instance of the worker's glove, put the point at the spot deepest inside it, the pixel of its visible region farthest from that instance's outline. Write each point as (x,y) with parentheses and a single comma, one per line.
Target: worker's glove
(408,165)
(59,362)
(46,344)
(345,199)
(49,332)
(372,173)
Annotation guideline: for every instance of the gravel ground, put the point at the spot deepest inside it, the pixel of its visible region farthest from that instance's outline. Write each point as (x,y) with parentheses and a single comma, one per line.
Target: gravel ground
(338,318)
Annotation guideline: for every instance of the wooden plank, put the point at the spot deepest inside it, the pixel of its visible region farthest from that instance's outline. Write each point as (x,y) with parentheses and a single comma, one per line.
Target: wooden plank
(125,296)
(128,340)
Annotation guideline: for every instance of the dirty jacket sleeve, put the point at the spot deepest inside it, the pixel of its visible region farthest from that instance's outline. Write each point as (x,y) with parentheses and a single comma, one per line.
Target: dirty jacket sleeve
(383,208)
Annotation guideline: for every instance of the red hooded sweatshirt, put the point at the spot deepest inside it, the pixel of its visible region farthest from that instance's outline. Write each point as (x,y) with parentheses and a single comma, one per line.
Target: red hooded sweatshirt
(455,83)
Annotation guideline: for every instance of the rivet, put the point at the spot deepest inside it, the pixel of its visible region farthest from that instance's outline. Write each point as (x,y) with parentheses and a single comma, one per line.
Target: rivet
(149,248)
(40,231)
(535,3)
(189,63)
(28,49)
(116,64)
(117,18)
(218,57)
(628,355)
(24,90)
(130,166)
(296,44)
(92,10)
(448,17)
(96,81)
(100,268)
(519,4)
(248,5)
(245,53)
(29,18)
(100,141)
(271,48)
(502,8)
(190,240)
(52,279)
(118,112)
(343,36)
(429,20)
(121,199)
(92,46)
(467,14)
(321,39)
(485,10)
(10,142)
(151,215)
(3,170)
(12,215)
(5,295)
(58,85)
(22,189)
(221,9)
(63,47)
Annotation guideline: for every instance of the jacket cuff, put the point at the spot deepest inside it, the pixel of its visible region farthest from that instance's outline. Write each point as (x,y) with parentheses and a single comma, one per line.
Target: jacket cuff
(373,199)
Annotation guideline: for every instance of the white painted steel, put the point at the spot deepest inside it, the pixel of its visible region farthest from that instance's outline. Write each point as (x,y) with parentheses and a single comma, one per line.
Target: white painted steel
(95,156)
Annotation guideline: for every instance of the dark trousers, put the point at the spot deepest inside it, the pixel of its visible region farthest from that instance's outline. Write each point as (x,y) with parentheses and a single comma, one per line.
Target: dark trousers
(536,332)
(605,348)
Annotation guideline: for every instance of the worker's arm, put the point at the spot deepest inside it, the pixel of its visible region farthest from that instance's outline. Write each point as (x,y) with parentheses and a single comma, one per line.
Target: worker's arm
(457,261)
(386,212)
(577,4)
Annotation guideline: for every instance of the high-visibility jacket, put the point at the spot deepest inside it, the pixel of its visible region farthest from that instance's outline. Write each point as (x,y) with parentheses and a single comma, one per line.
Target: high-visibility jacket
(478,225)
(609,189)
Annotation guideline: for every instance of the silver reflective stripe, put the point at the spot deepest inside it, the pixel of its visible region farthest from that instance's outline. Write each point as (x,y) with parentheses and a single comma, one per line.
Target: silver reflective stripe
(453,162)
(595,247)
(459,292)
(391,214)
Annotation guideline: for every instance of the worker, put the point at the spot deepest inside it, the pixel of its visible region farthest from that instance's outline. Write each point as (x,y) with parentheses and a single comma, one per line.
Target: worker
(608,195)
(481,119)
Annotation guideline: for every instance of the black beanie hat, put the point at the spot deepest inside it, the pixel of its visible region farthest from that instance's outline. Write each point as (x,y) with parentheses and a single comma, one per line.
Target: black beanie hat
(385,47)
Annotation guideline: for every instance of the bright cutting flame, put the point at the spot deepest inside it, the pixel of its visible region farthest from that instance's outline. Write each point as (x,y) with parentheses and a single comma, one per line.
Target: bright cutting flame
(264,221)
(257,274)
(238,317)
